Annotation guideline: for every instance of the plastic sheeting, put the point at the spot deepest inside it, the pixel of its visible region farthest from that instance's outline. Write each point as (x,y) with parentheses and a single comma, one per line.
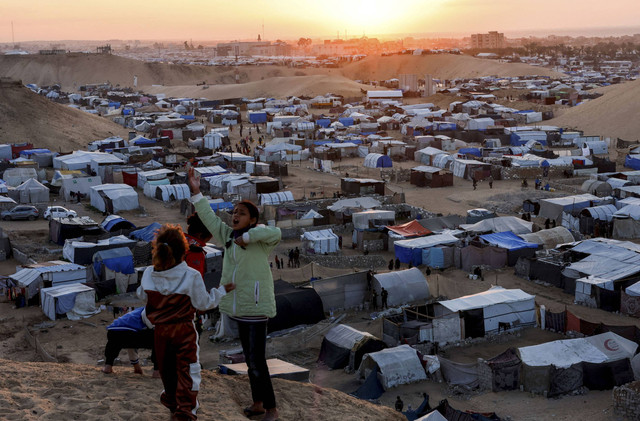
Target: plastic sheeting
(410,251)
(459,374)
(507,240)
(403,286)
(321,241)
(500,224)
(399,365)
(77,301)
(505,371)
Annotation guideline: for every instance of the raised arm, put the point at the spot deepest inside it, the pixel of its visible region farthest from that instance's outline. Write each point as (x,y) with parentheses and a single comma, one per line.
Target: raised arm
(214,224)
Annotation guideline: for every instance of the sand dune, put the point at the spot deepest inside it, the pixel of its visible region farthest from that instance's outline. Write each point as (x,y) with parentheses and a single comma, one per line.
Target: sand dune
(49,391)
(615,114)
(28,117)
(277,87)
(443,66)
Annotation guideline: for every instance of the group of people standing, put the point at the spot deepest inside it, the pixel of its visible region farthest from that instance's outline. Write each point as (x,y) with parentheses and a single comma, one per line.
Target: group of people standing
(174,291)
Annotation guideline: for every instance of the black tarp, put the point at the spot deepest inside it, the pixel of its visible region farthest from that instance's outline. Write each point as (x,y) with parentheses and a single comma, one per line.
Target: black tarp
(546,271)
(607,300)
(555,321)
(332,355)
(473,323)
(565,380)
(371,345)
(605,376)
(452,414)
(295,306)
(371,388)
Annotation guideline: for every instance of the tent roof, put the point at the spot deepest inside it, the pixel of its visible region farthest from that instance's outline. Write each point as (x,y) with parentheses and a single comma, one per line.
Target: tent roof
(500,224)
(495,295)
(428,241)
(563,353)
(410,229)
(345,336)
(507,240)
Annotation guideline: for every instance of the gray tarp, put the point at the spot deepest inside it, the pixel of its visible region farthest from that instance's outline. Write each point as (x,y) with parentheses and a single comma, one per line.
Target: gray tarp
(459,374)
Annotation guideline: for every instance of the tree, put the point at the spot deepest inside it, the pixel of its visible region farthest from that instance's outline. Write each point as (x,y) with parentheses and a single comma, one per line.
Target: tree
(304,42)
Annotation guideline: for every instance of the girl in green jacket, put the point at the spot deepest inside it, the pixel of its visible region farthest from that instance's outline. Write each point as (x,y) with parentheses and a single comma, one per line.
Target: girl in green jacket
(245,264)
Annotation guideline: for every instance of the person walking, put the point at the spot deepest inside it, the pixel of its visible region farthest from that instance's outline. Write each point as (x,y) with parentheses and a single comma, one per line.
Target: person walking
(428,272)
(384,295)
(490,182)
(173,292)
(391,264)
(277,262)
(374,300)
(399,404)
(252,303)
(397,266)
(474,183)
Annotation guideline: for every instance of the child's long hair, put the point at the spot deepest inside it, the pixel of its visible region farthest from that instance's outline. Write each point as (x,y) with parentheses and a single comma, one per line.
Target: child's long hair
(196,228)
(169,247)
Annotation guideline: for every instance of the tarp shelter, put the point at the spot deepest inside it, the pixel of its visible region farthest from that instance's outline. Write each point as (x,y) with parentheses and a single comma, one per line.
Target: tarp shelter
(147,233)
(585,291)
(554,207)
(320,242)
(370,219)
(76,185)
(516,247)
(343,291)
(62,229)
(597,188)
(113,198)
(115,223)
(410,251)
(160,174)
(426,176)
(31,191)
(76,301)
(256,117)
(13,177)
(432,416)
(80,160)
(469,169)
(167,192)
(54,273)
(117,260)
(500,224)
(550,238)
(81,252)
(276,198)
(409,230)
(295,306)
(344,346)
(403,286)
(396,366)
(376,160)
(483,312)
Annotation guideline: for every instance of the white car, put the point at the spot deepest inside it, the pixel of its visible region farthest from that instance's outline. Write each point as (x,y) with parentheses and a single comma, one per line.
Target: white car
(59,212)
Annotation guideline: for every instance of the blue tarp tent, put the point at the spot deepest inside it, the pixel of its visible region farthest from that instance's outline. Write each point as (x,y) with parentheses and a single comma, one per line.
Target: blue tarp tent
(446,126)
(114,104)
(221,205)
(346,121)
(256,117)
(632,161)
(115,222)
(508,240)
(433,257)
(147,233)
(410,251)
(187,117)
(29,152)
(118,260)
(376,160)
(470,151)
(144,142)
(323,122)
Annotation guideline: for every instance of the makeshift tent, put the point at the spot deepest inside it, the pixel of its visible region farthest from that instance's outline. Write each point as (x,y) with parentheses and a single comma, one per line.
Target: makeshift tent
(16,176)
(597,188)
(505,371)
(115,223)
(432,416)
(320,242)
(276,198)
(376,160)
(31,279)
(295,306)
(147,233)
(500,224)
(344,346)
(369,219)
(409,230)
(585,293)
(62,229)
(434,177)
(343,291)
(396,366)
(82,252)
(371,388)
(167,192)
(113,198)
(31,191)
(459,374)
(410,251)
(404,286)
(76,301)
(117,260)
(550,238)
(516,247)
(554,207)
(479,214)
(484,312)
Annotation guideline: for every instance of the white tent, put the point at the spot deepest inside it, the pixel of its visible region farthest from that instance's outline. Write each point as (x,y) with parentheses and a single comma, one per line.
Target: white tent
(512,306)
(276,198)
(123,197)
(213,140)
(56,272)
(167,192)
(320,242)
(584,287)
(361,219)
(79,160)
(399,365)
(432,416)
(16,176)
(405,286)
(500,224)
(77,301)
(31,191)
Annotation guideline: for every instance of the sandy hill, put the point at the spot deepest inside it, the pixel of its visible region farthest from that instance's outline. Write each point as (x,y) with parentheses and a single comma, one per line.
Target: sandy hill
(615,114)
(73,70)
(272,87)
(47,391)
(28,117)
(442,66)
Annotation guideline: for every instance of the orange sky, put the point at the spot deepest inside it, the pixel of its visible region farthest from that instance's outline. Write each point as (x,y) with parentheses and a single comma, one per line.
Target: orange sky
(289,19)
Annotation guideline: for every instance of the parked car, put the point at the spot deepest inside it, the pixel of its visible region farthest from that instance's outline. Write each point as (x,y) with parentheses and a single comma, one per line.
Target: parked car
(59,212)
(21,212)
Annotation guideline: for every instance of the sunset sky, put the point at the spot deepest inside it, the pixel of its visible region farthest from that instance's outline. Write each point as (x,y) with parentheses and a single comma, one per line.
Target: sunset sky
(290,19)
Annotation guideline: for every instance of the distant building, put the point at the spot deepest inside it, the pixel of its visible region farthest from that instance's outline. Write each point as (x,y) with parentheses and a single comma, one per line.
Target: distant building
(493,39)
(253,48)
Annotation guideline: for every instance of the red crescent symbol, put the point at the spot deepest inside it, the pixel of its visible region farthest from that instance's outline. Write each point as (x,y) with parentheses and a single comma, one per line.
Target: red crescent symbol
(611,345)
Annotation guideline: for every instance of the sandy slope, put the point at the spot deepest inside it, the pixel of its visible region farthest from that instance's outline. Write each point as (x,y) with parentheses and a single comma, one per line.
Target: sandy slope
(443,66)
(28,117)
(277,87)
(615,114)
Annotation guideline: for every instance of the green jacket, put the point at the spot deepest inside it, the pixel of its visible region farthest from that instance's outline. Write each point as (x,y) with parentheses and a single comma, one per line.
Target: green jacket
(248,268)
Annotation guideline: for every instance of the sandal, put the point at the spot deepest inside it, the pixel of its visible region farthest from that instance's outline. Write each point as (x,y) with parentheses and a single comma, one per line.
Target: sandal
(248,412)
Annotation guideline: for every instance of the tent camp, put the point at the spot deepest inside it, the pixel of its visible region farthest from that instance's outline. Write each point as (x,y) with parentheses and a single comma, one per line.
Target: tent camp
(395,366)
(31,191)
(411,251)
(482,313)
(113,198)
(376,160)
(403,287)
(76,301)
(344,346)
(75,184)
(320,242)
